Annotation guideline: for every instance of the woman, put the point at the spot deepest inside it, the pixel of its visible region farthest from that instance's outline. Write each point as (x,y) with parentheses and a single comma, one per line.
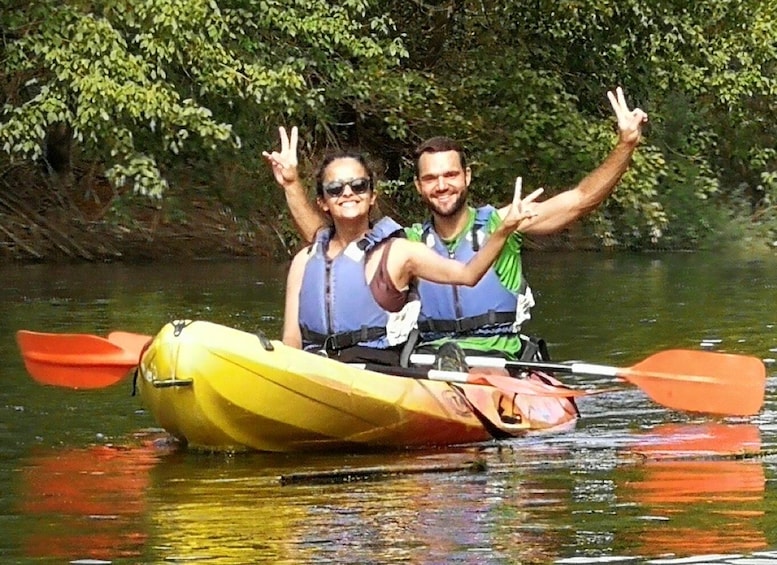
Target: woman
(348,294)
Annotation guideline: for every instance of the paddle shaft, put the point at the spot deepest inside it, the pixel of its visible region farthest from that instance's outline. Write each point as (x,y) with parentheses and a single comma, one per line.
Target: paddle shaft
(455,377)
(417,373)
(501,363)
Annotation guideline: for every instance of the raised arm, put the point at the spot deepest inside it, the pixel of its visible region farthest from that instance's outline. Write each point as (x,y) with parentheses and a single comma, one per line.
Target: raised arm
(292,336)
(556,213)
(408,259)
(284,167)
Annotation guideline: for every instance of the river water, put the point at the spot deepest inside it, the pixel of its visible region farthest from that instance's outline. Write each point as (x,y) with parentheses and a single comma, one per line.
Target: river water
(85,476)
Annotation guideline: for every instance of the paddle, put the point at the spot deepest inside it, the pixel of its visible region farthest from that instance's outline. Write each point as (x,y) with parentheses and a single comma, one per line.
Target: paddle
(79,360)
(681,379)
(695,381)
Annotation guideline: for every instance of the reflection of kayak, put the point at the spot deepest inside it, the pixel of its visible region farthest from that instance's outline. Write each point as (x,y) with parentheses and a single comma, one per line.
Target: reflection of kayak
(220,388)
(86,502)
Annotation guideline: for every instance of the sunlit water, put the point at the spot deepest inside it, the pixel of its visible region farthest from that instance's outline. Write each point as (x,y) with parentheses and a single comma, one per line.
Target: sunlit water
(84,475)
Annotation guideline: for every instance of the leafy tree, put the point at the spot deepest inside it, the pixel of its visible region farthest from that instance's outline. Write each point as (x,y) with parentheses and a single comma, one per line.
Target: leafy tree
(151,89)
(143,85)
(531,77)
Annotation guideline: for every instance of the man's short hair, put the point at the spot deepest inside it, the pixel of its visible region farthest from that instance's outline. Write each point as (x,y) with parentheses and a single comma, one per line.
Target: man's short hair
(439,144)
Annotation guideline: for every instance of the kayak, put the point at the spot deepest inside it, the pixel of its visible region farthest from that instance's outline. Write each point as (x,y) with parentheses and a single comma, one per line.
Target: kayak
(219,388)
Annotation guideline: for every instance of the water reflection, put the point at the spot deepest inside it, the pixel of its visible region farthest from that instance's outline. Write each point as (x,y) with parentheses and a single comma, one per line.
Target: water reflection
(678,489)
(86,502)
(234,510)
(623,483)
(690,501)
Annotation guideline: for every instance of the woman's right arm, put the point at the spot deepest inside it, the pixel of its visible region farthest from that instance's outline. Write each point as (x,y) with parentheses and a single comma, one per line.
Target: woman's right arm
(411,259)
(291,332)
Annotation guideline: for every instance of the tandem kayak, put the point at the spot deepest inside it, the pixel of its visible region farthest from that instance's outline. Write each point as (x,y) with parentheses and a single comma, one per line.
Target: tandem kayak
(219,388)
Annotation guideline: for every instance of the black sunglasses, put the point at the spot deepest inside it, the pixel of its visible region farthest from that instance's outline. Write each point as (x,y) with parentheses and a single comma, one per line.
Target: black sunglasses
(337,187)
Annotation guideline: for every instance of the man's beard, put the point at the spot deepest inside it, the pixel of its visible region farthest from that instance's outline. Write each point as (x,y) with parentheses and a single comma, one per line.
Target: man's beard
(455,208)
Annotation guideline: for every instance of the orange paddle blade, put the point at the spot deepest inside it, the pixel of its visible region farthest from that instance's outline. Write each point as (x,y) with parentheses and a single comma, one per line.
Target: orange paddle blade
(130,342)
(701,381)
(74,360)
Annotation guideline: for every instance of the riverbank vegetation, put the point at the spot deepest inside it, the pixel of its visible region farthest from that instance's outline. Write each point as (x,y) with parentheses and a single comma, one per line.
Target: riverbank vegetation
(134,128)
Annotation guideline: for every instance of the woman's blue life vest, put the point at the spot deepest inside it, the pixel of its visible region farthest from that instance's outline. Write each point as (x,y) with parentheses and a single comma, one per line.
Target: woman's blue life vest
(486,309)
(336,306)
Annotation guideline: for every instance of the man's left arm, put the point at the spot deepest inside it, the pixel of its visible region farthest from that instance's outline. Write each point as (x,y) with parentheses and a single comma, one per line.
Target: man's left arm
(561,210)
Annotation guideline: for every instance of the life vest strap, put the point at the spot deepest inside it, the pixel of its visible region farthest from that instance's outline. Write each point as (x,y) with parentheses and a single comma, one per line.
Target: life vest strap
(464,325)
(335,342)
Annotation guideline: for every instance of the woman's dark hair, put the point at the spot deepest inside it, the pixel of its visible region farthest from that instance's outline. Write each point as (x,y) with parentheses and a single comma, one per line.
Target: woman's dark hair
(334,156)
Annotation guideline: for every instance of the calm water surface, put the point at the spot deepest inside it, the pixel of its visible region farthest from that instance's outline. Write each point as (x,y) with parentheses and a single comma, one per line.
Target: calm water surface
(85,476)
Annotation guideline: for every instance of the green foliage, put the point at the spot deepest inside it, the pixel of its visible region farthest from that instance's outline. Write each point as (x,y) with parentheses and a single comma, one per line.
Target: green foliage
(162,91)
(531,76)
(143,81)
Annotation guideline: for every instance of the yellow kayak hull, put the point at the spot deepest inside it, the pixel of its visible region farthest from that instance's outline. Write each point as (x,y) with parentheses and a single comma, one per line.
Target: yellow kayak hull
(219,388)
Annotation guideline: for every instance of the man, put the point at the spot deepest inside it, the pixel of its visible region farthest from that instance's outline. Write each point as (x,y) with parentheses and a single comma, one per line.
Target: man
(486,318)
